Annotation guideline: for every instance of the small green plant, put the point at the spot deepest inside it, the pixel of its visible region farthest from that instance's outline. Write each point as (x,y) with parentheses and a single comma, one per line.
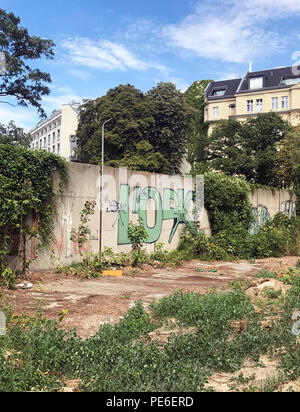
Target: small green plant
(266,274)
(137,235)
(62,315)
(160,254)
(81,234)
(7,278)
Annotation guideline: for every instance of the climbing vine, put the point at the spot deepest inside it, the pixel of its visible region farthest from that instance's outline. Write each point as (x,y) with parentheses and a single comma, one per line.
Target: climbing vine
(27,198)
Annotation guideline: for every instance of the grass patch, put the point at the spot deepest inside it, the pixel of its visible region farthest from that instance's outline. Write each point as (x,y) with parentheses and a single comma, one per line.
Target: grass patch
(211,333)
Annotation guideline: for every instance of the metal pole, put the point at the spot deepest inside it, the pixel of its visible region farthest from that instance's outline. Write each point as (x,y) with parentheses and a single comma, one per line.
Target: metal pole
(102,184)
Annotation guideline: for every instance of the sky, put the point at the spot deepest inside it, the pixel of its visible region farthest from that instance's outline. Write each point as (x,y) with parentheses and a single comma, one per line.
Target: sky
(101,44)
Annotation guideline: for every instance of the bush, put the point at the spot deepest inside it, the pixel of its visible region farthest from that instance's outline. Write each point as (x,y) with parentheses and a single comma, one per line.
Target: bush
(227,202)
(275,239)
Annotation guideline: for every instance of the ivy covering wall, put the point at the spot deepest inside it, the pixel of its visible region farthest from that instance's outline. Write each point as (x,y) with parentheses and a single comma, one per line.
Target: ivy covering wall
(27,197)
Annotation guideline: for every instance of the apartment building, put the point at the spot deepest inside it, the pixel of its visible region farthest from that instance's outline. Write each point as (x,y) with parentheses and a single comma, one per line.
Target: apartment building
(275,90)
(57,134)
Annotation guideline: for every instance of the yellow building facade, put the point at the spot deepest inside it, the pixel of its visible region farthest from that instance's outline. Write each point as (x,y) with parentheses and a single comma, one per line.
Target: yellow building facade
(275,90)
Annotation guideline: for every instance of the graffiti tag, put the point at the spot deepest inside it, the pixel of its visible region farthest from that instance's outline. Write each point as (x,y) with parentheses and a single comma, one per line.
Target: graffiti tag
(173,205)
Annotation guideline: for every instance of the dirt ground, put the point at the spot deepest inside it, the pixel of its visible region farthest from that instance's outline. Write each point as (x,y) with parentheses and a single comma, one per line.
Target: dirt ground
(92,302)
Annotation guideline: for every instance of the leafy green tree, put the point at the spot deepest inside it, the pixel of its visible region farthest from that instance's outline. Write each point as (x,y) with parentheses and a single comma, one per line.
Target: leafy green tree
(288,163)
(11,134)
(132,119)
(198,138)
(172,116)
(248,148)
(18,80)
(144,159)
(147,132)
(225,151)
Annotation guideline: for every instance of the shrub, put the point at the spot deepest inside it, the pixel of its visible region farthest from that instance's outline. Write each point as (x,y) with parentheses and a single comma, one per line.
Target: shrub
(227,202)
(137,235)
(275,239)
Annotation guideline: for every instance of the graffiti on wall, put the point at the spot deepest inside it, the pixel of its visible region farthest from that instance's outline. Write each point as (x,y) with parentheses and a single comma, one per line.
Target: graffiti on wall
(176,205)
(288,208)
(261,216)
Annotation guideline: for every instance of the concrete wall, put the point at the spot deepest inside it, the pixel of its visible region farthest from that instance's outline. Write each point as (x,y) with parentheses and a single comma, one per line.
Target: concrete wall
(266,203)
(163,202)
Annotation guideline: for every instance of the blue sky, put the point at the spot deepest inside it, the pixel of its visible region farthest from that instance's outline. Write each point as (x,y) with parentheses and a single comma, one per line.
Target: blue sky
(101,44)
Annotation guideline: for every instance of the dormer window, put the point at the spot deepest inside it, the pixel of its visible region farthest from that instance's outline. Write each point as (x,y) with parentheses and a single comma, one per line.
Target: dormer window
(256,83)
(218,92)
(291,81)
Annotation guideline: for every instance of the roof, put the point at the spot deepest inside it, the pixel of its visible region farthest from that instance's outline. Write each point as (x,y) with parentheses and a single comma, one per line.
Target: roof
(272,79)
(230,87)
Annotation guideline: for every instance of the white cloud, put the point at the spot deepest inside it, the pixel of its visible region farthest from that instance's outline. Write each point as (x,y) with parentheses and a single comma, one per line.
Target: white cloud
(233,31)
(270,9)
(104,54)
(80,74)
(27,118)
(23,117)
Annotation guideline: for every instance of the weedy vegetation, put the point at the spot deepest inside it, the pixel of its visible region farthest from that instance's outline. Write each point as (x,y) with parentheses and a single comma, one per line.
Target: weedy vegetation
(211,333)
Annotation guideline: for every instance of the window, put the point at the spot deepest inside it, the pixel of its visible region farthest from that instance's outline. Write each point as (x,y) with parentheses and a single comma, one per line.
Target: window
(41,142)
(58,148)
(259,103)
(53,140)
(45,141)
(285,102)
(49,140)
(290,82)
(218,92)
(232,106)
(53,149)
(58,135)
(249,106)
(274,103)
(256,83)
(215,112)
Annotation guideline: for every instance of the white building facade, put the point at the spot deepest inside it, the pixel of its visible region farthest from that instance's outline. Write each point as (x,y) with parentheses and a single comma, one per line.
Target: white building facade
(57,134)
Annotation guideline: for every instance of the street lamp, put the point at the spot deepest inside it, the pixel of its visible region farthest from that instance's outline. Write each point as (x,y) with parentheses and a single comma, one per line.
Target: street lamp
(101,191)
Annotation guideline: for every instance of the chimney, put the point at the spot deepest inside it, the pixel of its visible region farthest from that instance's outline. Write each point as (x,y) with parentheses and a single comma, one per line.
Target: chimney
(250,67)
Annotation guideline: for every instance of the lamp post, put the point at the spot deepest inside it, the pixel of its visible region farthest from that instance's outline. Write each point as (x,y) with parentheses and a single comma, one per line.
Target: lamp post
(101,190)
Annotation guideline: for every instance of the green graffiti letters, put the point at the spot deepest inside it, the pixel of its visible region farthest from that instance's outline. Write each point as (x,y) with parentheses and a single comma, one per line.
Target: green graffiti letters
(174,206)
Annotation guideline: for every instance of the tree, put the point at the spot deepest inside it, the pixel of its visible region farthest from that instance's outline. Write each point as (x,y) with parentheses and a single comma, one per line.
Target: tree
(147,132)
(198,139)
(18,80)
(248,148)
(288,163)
(144,159)
(172,116)
(11,134)
(132,119)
